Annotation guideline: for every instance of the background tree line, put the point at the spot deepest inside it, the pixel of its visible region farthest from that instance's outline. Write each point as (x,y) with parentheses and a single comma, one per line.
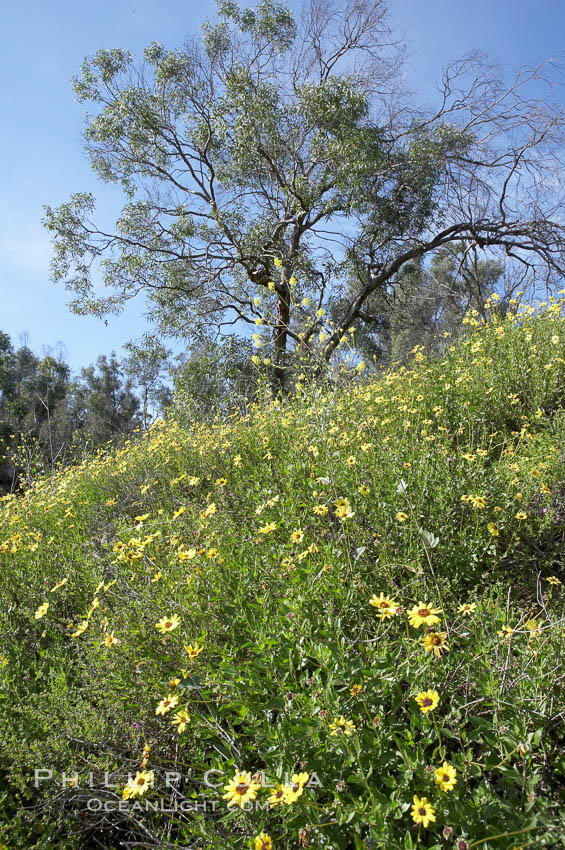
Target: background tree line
(49,417)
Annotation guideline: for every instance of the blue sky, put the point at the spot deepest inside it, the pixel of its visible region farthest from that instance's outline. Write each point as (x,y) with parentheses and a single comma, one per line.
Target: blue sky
(42,44)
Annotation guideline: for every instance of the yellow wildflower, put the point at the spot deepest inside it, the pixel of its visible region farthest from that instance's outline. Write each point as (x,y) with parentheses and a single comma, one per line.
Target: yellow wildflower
(435,642)
(167,704)
(386,607)
(422,812)
(181,720)
(193,651)
(241,789)
(423,614)
(295,789)
(41,611)
(341,726)
(278,796)
(81,628)
(167,624)
(138,786)
(427,700)
(445,777)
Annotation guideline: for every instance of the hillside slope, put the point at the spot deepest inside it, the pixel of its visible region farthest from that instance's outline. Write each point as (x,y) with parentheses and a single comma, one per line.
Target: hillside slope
(349,605)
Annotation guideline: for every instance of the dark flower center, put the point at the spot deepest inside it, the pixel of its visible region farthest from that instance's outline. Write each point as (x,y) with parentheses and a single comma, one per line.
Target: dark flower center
(446,777)
(241,788)
(295,787)
(427,701)
(424,612)
(421,811)
(436,640)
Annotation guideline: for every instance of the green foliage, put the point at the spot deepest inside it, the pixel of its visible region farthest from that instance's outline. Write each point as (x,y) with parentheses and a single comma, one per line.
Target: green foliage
(431,302)
(145,366)
(261,548)
(214,380)
(109,404)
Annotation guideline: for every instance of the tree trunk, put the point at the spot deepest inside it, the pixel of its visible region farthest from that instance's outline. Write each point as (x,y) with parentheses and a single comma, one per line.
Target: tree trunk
(280,337)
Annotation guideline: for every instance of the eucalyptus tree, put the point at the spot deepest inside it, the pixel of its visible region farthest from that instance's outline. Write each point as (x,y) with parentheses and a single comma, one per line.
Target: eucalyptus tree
(109,406)
(274,165)
(147,369)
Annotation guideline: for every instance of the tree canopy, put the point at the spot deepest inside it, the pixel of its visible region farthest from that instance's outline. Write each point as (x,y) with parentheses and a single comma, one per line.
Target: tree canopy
(275,168)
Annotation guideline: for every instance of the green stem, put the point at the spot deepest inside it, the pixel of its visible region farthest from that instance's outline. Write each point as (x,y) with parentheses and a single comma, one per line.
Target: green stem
(502,835)
(441,750)
(357,758)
